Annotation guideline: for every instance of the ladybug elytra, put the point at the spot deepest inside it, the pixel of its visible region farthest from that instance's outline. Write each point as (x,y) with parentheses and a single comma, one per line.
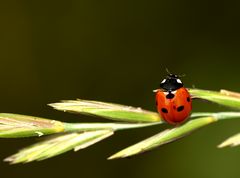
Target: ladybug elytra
(173,101)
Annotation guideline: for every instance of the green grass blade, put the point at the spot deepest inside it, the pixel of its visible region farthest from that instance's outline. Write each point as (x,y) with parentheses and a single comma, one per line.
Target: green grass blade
(58,145)
(224,97)
(133,114)
(175,133)
(82,127)
(94,132)
(232,141)
(217,115)
(164,137)
(15,125)
(107,110)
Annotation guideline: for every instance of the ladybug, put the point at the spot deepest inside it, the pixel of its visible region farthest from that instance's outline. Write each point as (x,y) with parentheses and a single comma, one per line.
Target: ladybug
(173,101)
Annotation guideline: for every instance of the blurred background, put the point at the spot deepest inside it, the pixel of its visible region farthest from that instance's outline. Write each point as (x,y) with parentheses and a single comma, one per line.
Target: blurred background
(117,51)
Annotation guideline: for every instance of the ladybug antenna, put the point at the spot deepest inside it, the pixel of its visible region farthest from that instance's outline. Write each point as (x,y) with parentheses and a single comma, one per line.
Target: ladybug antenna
(169,73)
(182,75)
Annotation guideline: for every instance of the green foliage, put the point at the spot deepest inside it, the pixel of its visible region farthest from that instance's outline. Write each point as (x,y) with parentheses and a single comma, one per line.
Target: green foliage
(232,141)
(15,125)
(107,110)
(77,136)
(163,137)
(224,97)
(58,145)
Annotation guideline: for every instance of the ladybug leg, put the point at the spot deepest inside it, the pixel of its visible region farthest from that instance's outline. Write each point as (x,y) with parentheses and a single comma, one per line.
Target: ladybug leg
(194,97)
(157,90)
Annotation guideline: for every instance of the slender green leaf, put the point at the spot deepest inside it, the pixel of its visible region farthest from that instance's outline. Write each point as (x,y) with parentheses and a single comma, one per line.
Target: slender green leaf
(232,141)
(82,127)
(133,114)
(15,125)
(226,98)
(107,110)
(170,135)
(75,140)
(216,115)
(230,93)
(58,145)
(164,137)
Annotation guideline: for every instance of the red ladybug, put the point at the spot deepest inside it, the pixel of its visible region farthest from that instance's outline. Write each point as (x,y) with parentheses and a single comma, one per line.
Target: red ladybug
(173,101)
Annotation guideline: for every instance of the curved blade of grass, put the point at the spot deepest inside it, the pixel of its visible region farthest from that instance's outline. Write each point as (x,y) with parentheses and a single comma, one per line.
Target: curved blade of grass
(58,145)
(217,115)
(170,135)
(75,140)
(82,127)
(16,125)
(107,110)
(235,139)
(224,97)
(232,141)
(164,137)
(133,114)
(230,93)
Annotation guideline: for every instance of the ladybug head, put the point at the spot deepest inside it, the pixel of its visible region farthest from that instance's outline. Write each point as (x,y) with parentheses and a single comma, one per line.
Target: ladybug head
(172,76)
(171,83)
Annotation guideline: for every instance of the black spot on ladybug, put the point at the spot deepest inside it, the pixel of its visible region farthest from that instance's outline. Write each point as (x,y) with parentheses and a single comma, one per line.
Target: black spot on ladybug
(188,99)
(180,108)
(164,110)
(170,96)
(156,103)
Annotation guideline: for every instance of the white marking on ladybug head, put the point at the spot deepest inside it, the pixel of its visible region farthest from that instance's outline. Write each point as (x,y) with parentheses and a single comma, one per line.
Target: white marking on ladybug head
(179,81)
(164,80)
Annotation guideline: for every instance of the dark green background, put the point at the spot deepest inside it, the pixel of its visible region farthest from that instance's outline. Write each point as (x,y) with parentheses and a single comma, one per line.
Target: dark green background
(117,51)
